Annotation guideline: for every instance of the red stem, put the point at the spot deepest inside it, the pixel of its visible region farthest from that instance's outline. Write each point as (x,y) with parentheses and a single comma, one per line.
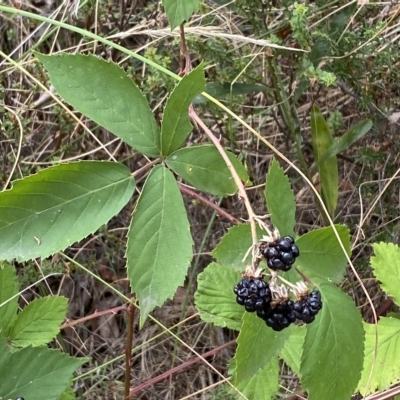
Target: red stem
(178,369)
(216,207)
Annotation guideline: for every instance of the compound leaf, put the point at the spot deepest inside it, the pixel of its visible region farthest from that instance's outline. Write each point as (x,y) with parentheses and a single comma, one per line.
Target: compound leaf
(47,212)
(175,125)
(179,11)
(257,345)
(321,254)
(35,373)
(8,288)
(321,139)
(204,168)
(386,265)
(103,92)
(159,242)
(233,247)
(280,199)
(39,322)
(335,340)
(385,362)
(215,299)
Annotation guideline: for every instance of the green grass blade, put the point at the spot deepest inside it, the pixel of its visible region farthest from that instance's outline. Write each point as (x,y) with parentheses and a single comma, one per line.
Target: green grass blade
(322,140)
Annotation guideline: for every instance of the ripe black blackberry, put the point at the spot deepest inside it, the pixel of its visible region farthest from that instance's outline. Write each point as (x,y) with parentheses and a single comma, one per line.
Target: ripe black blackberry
(279,317)
(281,254)
(306,309)
(252,293)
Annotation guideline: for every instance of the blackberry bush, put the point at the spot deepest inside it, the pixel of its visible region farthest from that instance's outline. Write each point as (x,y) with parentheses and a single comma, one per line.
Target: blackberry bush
(280,254)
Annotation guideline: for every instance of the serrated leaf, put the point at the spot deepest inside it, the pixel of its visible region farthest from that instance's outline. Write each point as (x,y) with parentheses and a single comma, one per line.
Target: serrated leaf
(321,254)
(35,373)
(215,299)
(321,139)
(175,125)
(264,384)
(386,265)
(8,288)
(280,200)
(385,362)
(204,168)
(234,245)
(355,133)
(333,349)
(159,246)
(49,211)
(103,92)
(257,345)
(179,11)
(293,348)
(39,322)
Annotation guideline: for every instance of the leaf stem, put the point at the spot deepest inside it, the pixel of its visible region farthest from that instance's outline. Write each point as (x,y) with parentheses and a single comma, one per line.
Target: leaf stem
(235,176)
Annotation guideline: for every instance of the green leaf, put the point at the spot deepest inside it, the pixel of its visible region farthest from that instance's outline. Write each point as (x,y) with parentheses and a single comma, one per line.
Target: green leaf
(179,11)
(264,384)
(234,246)
(293,348)
(280,200)
(175,125)
(333,349)
(321,254)
(47,212)
(39,322)
(386,265)
(35,373)
(68,394)
(8,288)
(204,168)
(257,345)
(103,92)
(322,140)
(159,242)
(355,133)
(215,299)
(385,362)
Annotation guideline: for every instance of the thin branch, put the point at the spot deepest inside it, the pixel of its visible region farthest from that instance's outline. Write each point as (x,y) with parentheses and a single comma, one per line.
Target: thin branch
(235,176)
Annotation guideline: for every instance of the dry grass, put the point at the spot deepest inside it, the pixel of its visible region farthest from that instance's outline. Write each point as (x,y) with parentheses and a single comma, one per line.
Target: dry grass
(36,132)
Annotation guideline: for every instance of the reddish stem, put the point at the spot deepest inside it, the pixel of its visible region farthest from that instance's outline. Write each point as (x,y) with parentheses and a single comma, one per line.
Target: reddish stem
(96,314)
(178,369)
(128,351)
(216,207)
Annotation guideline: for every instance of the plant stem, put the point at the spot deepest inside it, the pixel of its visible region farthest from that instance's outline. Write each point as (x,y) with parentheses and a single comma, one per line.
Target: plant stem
(235,176)
(128,351)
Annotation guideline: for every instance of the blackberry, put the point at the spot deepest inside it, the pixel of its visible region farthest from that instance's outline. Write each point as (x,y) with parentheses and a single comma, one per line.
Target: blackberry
(254,294)
(280,317)
(281,254)
(306,309)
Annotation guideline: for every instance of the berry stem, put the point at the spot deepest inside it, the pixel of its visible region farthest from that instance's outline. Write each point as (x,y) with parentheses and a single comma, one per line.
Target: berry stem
(235,176)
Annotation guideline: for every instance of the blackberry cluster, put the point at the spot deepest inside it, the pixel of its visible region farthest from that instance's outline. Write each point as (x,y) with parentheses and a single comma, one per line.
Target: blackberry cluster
(306,310)
(253,294)
(279,317)
(281,254)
